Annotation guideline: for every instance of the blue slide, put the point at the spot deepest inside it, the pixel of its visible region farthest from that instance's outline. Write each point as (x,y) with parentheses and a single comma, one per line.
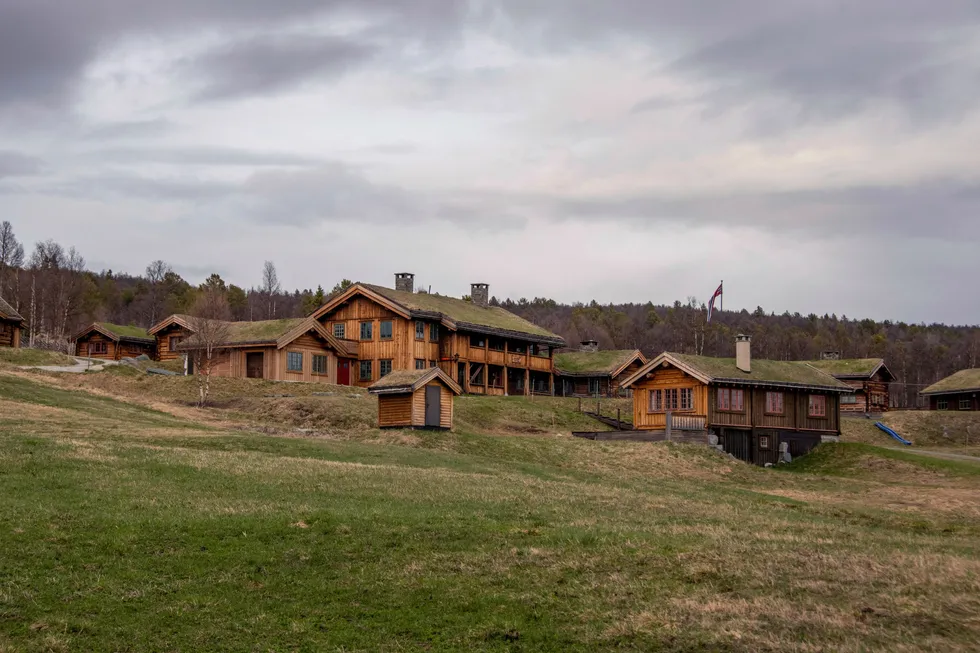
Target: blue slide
(893,434)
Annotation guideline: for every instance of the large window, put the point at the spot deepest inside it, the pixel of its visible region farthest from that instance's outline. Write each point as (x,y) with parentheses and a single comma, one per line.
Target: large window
(966,404)
(319,364)
(541,350)
(478,342)
(294,361)
(849,399)
(385,369)
(942,404)
(497,344)
(387,330)
(434,332)
(687,399)
(339,330)
(420,330)
(656,401)
(98,347)
(367,331)
(818,406)
(420,363)
(731,400)
(774,403)
(367,373)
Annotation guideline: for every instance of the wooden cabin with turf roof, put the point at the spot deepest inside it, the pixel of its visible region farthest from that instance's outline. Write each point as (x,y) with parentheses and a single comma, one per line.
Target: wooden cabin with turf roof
(960,391)
(590,372)
(416,399)
(751,406)
(11,325)
(869,379)
(298,350)
(485,349)
(107,341)
(169,333)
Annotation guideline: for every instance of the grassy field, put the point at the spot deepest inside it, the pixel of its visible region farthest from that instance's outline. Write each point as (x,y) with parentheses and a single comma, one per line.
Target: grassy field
(927,429)
(141,524)
(24,356)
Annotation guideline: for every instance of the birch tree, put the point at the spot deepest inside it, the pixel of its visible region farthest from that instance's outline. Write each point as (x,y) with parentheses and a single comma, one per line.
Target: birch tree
(209,321)
(270,287)
(11,260)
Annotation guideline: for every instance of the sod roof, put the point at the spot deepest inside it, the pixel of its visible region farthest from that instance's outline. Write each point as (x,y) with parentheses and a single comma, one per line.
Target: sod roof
(850,368)
(411,380)
(593,363)
(124,332)
(7,311)
(467,315)
(962,381)
(252,333)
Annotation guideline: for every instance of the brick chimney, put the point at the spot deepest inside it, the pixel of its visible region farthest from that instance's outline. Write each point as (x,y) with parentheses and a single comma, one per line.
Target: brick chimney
(743,353)
(405,281)
(480,293)
(590,345)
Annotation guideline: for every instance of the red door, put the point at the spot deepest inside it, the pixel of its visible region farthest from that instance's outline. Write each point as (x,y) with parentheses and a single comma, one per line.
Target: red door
(343,371)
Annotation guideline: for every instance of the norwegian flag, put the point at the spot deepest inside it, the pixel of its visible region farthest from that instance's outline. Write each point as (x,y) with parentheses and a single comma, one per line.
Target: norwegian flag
(711,304)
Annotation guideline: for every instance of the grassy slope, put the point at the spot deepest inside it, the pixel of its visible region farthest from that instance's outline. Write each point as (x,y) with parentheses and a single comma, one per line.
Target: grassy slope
(125,528)
(926,429)
(33,357)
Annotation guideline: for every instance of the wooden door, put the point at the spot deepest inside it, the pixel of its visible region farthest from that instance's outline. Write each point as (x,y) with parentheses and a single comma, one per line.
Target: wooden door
(254,365)
(343,371)
(433,405)
(738,443)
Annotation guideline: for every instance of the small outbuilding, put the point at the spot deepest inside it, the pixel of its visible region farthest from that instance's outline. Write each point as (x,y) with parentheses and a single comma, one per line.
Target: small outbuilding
(114,342)
(416,399)
(11,324)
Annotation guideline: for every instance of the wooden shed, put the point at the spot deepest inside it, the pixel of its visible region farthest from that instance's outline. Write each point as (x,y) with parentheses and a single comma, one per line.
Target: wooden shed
(416,399)
(11,324)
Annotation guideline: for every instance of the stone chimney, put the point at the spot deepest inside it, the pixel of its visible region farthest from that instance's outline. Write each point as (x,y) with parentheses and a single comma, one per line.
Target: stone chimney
(830,356)
(743,353)
(590,345)
(405,281)
(480,293)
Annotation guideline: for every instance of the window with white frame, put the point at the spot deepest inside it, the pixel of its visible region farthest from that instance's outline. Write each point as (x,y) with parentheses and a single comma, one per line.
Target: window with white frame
(687,399)
(818,406)
(774,403)
(420,363)
(339,330)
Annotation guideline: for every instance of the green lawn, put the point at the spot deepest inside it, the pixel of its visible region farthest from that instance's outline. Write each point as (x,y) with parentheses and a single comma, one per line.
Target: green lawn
(128,529)
(24,356)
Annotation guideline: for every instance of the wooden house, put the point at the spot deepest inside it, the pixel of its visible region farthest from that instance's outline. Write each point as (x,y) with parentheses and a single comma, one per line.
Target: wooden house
(485,349)
(752,406)
(416,399)
(113,342)
(169,333)
(300,350)
(593,373)
(961,391)
(11,324)
(869,379)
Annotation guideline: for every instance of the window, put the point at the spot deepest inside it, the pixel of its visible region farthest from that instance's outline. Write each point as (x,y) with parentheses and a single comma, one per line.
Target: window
(294,361)
(593,386)
(966,404)
(774,403)
(420,330)
(478,342)
(518,348)
(540,350)
(385,369)
(434,332)
(98,347)
(367,331)
(670,399)
(387,330)
(687,399)
(942,404)
(731,400)
(367,373)
(339,330)
(319,364)
(764,442)
(818,406)
(420,363)
(850,399)
(174,341)
(497,344)
(656,401)
(432,363)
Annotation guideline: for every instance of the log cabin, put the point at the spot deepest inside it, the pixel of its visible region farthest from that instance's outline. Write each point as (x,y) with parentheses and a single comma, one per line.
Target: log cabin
(297,350)
(590,372)
(869,379)
(960,391)
(11,325)
(416,399)
(485,349)
(752,407)
(108,341)
(169,333)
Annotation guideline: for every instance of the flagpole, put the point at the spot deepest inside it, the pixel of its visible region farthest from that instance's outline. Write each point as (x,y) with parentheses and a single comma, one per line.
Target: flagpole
(722,295)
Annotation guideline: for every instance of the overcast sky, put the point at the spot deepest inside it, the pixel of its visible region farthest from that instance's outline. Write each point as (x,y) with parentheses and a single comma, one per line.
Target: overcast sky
(818,155)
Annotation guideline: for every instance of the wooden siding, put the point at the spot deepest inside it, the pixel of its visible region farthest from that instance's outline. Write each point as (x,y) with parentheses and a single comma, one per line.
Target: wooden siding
(164,352)
(445,406)
(663,379)
(9,334)
(114,351)
(395,410)
(407,410)
(953,401)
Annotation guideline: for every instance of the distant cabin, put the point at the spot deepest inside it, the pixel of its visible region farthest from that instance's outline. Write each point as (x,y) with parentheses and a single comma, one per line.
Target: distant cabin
(416,399)
(752,406)
(169,333)
(869,379)
(11,325)
(298,349)
(109,341)
(961,391)
(590,372)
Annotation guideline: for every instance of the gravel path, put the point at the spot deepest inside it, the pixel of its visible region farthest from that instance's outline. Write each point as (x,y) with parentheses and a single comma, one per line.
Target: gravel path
(81,366)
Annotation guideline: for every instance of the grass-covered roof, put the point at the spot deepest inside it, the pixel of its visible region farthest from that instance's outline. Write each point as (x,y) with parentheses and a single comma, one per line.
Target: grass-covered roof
(7,311)
(764,372)
(467,314)
(594,363)
(251,333)
(962,381)
(411,380)
(126,332)
(849,368)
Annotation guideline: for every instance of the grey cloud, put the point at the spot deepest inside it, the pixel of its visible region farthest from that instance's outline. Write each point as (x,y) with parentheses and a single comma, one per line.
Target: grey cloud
(199,156)
(127,130)
(15,164)
(156,189)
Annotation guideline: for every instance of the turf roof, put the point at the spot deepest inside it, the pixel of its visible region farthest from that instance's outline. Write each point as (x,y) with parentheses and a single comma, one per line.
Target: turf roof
(597,363)
(791,373)
(849,367)
(465,313)
(130,332)
(962,381)
(408,380)
(8,310)
(264,332)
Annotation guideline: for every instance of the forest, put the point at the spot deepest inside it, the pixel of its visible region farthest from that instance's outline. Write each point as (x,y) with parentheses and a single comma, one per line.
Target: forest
(52,288)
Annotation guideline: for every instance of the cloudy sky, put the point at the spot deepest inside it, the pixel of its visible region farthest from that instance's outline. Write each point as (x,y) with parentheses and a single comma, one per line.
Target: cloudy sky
(818,155)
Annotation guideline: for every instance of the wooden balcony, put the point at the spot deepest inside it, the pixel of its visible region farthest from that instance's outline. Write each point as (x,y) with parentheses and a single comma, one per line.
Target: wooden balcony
(540,364)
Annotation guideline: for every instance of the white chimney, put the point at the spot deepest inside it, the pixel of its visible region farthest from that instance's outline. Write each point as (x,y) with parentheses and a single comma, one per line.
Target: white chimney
(743,353)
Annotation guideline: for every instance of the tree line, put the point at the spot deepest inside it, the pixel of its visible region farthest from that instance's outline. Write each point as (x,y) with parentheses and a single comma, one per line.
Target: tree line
(51,287)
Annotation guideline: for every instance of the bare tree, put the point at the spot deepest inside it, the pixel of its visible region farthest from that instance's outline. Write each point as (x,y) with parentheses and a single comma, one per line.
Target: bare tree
(157,274)
(11,260)
(209,321)
(270,287)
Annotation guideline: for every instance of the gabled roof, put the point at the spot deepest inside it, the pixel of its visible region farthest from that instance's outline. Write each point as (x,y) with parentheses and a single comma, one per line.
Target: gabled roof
(118,333)
(7,312)
(403,381)
(453,313)
(596,363)
(781,374)
(277,333)
(854,368)
(183,321)
(962,381)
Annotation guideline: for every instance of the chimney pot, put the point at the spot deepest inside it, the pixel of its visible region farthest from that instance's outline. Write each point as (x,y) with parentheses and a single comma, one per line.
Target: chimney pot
(405,281)
(743,353)
(590,345)
(480,294)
